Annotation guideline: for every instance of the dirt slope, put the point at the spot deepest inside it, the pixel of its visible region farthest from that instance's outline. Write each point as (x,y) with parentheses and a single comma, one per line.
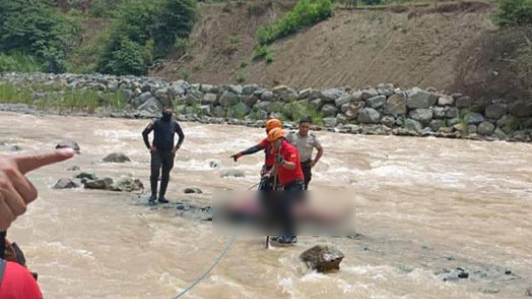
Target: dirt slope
(407,47)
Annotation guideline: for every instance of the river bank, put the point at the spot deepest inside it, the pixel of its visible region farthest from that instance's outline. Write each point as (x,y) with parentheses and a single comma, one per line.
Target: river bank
(380,110)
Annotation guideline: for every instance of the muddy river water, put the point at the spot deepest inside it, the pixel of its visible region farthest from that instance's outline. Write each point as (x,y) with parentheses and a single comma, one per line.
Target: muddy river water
(424,207)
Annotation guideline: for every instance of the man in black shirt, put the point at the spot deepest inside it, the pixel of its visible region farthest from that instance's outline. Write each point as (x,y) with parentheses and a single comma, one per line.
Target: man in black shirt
(162,151)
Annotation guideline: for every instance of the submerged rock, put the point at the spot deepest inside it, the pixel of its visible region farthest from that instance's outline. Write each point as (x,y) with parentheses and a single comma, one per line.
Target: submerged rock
(127,184)
(65,183)
(322,258)
(101,184)
(116,158)
(232,172)
(192,190)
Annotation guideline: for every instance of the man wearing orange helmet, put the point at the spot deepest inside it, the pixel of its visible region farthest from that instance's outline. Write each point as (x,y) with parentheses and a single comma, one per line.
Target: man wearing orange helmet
(291,180)
(267,182)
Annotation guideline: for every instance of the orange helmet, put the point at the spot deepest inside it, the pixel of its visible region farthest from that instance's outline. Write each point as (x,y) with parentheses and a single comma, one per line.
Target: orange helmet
(273,123)
(275,134)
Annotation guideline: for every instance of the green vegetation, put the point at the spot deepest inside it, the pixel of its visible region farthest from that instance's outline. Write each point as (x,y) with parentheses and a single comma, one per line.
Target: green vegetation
(19,62)
(71,100)
(239,77)
(514,13)
(304,13)
(234,38)
(295,111)
(263,52)
(145,31)
(37,36)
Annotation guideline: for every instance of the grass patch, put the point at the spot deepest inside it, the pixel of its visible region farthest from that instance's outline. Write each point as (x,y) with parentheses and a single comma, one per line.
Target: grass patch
(294,111)
(234,38)
(239,77)
(20,63)
(47,97)
(305,13)
(263,52)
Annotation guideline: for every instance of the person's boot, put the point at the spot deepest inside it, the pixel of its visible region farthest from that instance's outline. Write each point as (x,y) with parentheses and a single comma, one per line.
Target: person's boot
(152,199)
(284,239)
(163,199)
(287,240)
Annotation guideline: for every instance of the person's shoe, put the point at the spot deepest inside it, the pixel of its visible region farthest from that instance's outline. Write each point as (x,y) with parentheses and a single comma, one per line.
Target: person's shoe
(286,240)
(163,200)
(151,200)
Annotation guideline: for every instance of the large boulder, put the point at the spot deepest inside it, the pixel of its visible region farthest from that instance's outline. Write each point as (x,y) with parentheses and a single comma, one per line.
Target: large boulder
(250,100)
(413,125)
(396,105)
(249,89)
(376,102)
(438,112)
(330,95)
(210,98)
(521,109)
(485,128)
(329,110)
(116,158)
(446,101)
(228,99)
(236,89)
(343,100)
(388,121)
(285,93)
(267,96)
(367,93)
(141,99)
(322,258)
(507,124)
(330,122)
(353,110)
(495,111)
(475,118)
(152,105)
(436,124)
(240,110)
(369,116)
(451,112)
(422,115)
(418,99)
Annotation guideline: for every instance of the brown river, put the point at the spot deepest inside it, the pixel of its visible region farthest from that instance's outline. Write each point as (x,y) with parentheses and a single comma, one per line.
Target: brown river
(424,206)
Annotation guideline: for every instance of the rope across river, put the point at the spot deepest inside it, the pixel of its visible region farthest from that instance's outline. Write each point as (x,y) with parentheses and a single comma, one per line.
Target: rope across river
(216,261)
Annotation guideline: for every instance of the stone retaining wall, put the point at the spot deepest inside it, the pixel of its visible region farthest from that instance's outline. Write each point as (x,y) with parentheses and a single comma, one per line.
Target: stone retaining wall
(383,109)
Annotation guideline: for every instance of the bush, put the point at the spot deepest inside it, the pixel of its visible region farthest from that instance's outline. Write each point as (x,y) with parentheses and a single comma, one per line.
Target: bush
(146,30)
(38,29)
(304,13)
(19,62)
(514,13)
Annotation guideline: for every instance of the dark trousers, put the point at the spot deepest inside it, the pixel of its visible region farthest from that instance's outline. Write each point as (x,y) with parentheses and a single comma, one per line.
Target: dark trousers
(2,245)
(292,193)
(164,160)
(307,172)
